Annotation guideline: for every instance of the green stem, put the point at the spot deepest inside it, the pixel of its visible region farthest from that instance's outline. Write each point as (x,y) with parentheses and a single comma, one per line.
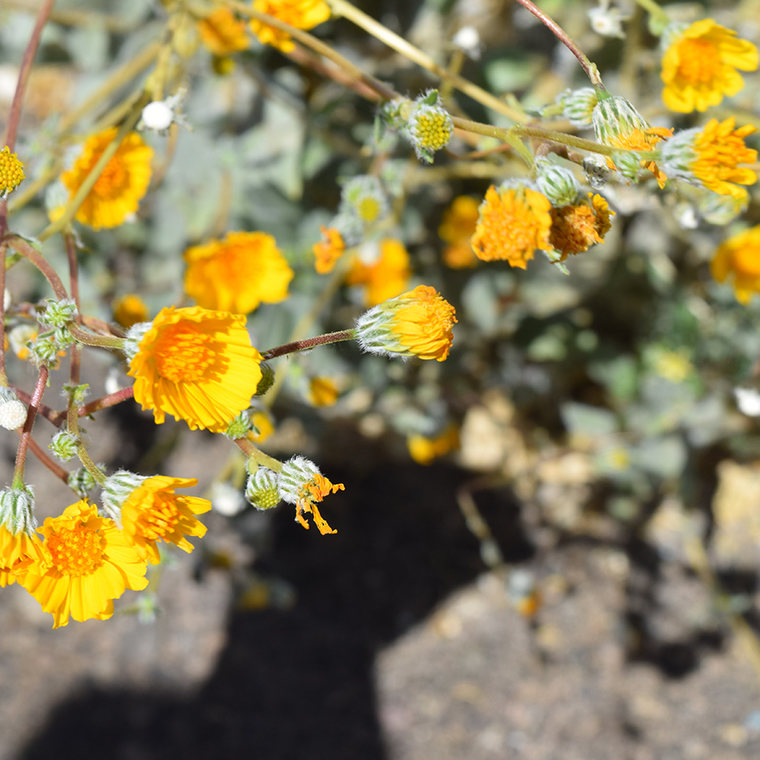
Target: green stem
(89,465)
(93,339)
(258,456)
(654,10)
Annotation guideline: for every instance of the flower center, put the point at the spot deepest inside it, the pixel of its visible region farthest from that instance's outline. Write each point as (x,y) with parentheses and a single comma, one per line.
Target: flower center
(76,551)
(698,60)
(160,520)
(746,260)
(182,353)
(112,180)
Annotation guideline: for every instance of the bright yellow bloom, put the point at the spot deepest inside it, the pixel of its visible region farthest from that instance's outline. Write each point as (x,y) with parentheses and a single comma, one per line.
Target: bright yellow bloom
(195,364)
(302,484)
(417,323)
(91,563)
(719,150)
(153,512)
(700,66)
(384,278)
(576,228)
(323,391)
(512,224)
(739,258)
(302,14)
(424,450)
(129,310)
(120,186)
(237,273)
(11,171)
(328,250)
(457,227)
(17,552)
(223,33)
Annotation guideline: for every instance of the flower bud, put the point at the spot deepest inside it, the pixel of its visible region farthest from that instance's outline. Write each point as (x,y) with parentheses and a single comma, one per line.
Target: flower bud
(12,411)
(58,313)
(81,482)
(261,489)
(578,105)
(64,445)
(429,126)
(239,427)
(556,182)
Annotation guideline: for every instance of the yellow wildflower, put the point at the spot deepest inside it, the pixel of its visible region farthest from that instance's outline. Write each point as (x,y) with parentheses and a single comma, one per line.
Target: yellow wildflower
(237,273)
(323,391)
(20,546)
(302,14)
(120,186)
(11,171)
(263,423)
(90,563)
(700,66)
(150,511)
(302,484)
(512,223)
(129,310)
(576,228)
(385,277)
(739,257)
(223,33)
(424,450)
(328,250)
(417,323)
(195,364)
(457,227)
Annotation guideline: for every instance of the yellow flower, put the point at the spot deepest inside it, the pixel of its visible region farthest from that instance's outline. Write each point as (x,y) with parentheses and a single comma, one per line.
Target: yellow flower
(302,14)
(237,273)
(700,66)
(322,391)
(263,423)
(739,257)
(120,186)
(457,227)
(11,171)
(417,323)
(576,228)
(512,223)
(384,278)
(302,484)
(129,310)
(424,450)
(150,511)
(195,364)
(223,33)
(328,250)
(17,552)
(91,563)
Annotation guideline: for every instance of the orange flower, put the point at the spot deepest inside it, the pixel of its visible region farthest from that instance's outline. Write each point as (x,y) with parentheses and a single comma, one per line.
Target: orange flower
(328,250)
(457,227)
(700,66)
(322,391)
(223,33)
(576,228)
(513,222)
(386,276)
(424,450)
(302,14)
(120,186)
(129,310)
(739,258)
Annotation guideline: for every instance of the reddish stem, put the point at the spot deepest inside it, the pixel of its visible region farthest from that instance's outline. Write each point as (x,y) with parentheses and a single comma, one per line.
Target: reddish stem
(35,257)
(26,432)
(303,345)
(52,465)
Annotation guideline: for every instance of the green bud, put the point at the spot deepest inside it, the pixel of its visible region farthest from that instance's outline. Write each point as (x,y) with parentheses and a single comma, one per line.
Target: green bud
(64,445)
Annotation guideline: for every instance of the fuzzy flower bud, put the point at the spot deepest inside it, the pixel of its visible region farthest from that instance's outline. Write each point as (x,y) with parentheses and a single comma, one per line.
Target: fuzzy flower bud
(627,163)
(578,105)
(239,427)
(267,379)
(81,482)
(614,117)
(429,126)
(364,198)
(58,313)
(117,489)
(556,182)
(17,510)
(20,545)
(64,445)
(301,483)
(261,489)
(416,323)
(12,411)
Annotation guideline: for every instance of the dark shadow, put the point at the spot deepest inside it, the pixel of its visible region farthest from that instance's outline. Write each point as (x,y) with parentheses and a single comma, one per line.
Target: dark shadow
(299,683)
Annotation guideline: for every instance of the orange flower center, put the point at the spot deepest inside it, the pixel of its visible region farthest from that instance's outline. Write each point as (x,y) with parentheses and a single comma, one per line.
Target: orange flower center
(112,180)
(160,520)
(76,551)
(183,354)
(746,261)
(698,60)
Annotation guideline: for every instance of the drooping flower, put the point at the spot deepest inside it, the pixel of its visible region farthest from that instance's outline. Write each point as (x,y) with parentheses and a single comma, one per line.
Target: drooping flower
(456,229)
(328,250)
(123,182)
(223,33)
(424,449)
(738,258)
(90,563)
(384,271)
(11,171)
(700,65)
(577,227)
(710,157)
(512,223)
(195,364)
(150,511)
(129,310)
(237,273)
(417,323)
(618,124)
(302,14)
(20,546)
(301,483)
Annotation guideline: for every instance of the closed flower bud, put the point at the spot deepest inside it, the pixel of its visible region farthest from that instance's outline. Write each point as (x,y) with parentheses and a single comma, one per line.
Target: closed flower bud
(58,313)
(429,126)
(267,379)
(239,427)
(81,482)
(12,411)
(17,510)
(578,105)
(261,489)
(556,182)
(64,445)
